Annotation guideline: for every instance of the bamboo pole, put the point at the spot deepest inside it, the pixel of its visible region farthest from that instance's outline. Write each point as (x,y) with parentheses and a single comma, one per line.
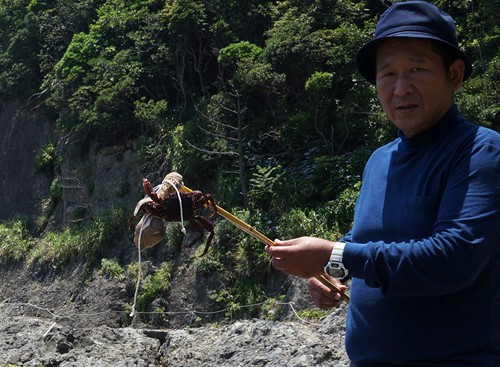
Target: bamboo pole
(265,240)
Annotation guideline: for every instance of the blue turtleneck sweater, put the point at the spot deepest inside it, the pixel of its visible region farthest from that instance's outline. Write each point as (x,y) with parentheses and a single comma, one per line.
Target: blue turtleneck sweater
(424,251)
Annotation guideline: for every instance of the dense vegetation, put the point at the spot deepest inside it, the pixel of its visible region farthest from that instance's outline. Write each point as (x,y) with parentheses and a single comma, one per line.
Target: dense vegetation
(256,101)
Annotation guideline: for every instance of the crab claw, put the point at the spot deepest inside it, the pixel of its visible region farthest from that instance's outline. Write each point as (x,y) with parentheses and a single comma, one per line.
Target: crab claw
(148,189)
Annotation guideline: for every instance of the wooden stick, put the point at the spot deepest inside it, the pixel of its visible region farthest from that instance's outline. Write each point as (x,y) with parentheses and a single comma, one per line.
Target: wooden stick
(265,240)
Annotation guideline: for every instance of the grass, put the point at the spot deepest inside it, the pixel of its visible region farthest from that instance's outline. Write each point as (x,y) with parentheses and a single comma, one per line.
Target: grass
(313,314)
(59,246)
(16,241)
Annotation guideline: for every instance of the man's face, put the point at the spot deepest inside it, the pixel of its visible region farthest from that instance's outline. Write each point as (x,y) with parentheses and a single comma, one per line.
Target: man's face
(414,88)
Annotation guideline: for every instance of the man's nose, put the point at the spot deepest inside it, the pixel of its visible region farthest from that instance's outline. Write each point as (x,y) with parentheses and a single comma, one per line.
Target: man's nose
(403,85)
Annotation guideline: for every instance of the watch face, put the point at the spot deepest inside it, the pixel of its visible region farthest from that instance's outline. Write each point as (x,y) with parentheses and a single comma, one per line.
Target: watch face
(336,271)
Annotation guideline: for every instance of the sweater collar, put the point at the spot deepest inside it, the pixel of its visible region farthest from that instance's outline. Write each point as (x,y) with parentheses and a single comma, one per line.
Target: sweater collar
(427,136)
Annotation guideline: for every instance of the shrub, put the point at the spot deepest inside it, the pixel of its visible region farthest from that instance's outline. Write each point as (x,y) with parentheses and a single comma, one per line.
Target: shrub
(312,314)
(47,207)
(272,309)
(245,296)
(56,190)
(153,286)
(342,209)
(307,222)
(111,268)
(16,240)
(47,160)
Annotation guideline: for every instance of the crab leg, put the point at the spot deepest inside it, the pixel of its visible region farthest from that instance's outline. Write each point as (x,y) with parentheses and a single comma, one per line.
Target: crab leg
(265,240)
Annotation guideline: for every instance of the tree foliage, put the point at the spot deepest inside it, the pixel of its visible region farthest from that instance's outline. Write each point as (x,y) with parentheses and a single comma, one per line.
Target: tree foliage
(259,101)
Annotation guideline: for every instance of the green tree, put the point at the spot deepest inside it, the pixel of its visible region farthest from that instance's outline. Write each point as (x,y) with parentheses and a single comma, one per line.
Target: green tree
(103,72)
(19,63)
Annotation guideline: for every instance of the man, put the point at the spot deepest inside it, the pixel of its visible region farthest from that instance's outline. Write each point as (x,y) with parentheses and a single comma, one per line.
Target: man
(424,250)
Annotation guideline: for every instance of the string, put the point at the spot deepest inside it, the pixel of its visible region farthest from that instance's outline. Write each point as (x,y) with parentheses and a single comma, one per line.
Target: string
(145,223)
(183,229)
(71,316)
(147,218)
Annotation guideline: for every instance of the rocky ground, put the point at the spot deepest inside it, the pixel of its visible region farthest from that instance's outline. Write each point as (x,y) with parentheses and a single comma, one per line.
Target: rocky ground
(38,341)
(53,319)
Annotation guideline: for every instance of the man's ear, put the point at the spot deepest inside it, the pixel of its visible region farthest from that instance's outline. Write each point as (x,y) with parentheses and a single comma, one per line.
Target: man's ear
(457,69)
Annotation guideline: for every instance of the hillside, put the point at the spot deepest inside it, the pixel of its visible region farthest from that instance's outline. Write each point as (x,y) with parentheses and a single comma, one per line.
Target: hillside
(76,313)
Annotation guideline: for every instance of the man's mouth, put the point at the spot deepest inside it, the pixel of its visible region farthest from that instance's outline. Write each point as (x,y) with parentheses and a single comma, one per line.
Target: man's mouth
(406,107)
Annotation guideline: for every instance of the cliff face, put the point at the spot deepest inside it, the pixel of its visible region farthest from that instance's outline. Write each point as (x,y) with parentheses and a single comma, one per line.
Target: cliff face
(73,315)
(22,133)
(93,175)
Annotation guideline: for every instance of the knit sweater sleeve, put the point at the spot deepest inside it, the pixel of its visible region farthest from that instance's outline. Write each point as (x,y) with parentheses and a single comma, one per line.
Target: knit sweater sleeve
(407,254)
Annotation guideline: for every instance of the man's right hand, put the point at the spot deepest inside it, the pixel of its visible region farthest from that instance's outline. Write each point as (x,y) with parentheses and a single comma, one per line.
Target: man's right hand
(323,296)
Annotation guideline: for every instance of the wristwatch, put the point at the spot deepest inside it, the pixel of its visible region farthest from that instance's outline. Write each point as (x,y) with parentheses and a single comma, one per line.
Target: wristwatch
(334,266)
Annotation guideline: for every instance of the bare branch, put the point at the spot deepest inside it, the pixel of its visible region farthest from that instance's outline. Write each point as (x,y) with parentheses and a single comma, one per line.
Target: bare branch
(216,121)
(216,134)
(211,152)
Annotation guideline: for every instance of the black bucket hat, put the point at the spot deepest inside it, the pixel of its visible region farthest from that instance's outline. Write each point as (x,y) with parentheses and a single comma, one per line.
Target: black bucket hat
(411,19)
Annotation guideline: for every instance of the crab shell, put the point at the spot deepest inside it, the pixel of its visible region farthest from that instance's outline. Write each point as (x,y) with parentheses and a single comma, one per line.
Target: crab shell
(152,231)
(150,228)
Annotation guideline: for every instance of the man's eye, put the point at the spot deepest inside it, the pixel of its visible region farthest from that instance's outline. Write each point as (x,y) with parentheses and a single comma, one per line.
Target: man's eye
(416,70)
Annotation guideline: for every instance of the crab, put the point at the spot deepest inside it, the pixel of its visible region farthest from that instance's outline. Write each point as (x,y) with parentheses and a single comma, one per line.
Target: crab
(168,208)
